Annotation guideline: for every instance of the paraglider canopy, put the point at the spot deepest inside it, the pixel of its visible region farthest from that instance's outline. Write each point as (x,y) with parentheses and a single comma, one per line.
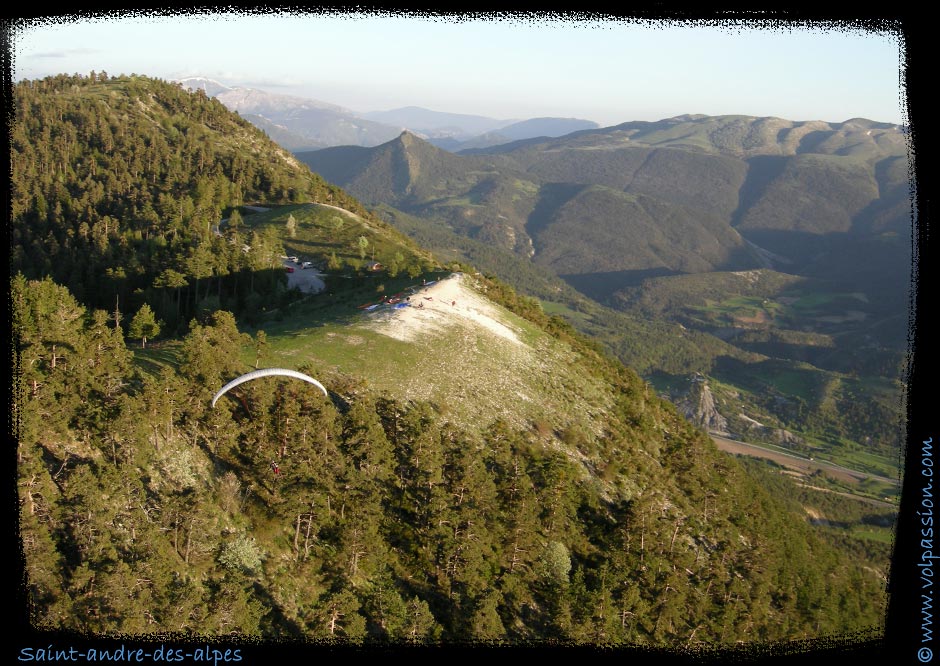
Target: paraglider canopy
(267,372)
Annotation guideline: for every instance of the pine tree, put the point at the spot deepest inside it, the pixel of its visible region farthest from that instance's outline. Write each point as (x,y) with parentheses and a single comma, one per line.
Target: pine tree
(144,325)
(261,341)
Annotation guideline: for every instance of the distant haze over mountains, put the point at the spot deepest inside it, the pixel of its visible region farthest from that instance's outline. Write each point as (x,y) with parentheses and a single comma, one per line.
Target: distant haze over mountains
(300,124)
(430,122)
(297,123)
(456,131)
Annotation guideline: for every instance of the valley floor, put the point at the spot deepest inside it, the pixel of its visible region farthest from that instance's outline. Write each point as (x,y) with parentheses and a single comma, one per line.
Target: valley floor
(805,466)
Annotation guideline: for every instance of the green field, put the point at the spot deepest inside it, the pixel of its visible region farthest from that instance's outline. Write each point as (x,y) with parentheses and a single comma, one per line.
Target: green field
(157,356)
(568,313)
(866,462)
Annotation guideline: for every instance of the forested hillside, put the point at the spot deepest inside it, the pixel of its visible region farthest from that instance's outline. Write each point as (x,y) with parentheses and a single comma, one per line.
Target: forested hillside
(368,515)
(120,186)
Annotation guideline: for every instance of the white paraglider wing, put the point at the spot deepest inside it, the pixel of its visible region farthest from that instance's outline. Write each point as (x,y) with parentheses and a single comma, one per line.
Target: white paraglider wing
(267,372)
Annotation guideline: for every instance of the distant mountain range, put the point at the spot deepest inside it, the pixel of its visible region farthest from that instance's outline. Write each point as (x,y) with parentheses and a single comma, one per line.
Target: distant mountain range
(297,123)
(300,124)
(785,244)
(456,132)
(438,124)
(684,195)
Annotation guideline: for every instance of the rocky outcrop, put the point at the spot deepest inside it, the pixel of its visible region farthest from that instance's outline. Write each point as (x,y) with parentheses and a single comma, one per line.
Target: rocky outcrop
(787,438)
(698,406)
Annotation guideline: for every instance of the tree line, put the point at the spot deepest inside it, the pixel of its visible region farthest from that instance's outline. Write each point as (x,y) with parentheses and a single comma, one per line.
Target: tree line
(283,514)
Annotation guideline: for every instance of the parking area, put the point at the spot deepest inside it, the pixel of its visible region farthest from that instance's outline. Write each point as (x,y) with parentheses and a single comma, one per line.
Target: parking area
(308,280)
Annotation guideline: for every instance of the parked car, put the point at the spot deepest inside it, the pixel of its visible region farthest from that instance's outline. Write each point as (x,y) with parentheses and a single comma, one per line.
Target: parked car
(294,259)
(289,269)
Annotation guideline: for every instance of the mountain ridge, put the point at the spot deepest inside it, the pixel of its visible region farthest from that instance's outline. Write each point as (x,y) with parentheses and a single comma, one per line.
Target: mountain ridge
(317,123)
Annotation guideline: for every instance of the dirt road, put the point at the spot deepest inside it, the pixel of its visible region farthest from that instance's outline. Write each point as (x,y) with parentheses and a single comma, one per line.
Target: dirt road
(342,210)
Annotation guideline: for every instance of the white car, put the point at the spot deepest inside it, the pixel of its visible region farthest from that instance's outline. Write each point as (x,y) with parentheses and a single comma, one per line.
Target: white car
(307,264)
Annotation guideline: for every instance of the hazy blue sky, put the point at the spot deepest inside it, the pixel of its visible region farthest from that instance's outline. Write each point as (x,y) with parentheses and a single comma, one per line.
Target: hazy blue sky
(608,71)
